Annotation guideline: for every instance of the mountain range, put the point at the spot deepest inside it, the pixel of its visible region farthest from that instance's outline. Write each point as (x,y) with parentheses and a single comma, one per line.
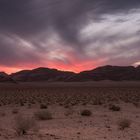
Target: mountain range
(115,73)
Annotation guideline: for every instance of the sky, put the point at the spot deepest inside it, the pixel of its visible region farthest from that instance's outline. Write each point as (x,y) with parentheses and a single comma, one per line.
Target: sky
(70,35)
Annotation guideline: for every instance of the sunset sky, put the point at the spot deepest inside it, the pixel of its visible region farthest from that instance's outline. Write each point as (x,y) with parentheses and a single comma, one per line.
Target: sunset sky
(73,35)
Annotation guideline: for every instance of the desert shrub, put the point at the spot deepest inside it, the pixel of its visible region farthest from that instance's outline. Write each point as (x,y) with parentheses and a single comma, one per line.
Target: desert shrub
(2,114)
(29,105)
(84,103)
(43,115)
(114,108)
(43,106)
(97,101)
(24,124)
(86,113)
(61,104)
(136,104)
(15,111)
(124,124)
(66,106)
(21,104)
(69,111)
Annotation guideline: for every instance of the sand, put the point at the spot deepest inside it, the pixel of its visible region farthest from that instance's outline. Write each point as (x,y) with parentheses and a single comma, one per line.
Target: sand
(65,103)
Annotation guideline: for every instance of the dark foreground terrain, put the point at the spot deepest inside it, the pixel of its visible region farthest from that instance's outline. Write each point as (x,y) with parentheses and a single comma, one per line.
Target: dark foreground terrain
(70,111)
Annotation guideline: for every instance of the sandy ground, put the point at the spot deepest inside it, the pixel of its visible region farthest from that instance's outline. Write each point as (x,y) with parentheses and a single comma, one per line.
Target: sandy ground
(67,123)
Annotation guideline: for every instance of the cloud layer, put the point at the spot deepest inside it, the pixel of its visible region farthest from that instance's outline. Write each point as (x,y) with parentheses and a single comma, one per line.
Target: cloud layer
(68,35)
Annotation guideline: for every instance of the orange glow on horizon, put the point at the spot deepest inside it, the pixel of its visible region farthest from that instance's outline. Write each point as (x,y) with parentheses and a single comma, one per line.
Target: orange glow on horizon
(74,67)
(9,70)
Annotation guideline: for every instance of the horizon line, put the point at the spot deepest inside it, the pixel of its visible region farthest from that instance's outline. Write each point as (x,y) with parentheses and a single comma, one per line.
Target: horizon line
(30,69)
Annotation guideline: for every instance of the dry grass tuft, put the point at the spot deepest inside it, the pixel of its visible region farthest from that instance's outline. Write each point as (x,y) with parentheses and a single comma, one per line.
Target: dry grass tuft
(2,114)
(124,123)
(114,108)
(15,111)
(86,113)
(24,124)
(43,106)
(43,115)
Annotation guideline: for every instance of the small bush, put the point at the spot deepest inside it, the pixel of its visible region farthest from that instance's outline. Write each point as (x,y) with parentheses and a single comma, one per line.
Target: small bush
(21,104)
(2,114)
(24,124)
(86,113)
(43,106)
(124,124)
(15,111)
(43,115)
(114,108)
(97,101)
(136,104)
(69,111)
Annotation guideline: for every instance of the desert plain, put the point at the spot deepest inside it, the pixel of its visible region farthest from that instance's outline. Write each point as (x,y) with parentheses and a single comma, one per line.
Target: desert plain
(103,110)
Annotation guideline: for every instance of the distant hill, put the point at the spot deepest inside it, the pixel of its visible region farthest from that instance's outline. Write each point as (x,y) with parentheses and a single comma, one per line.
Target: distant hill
(115,73)
(42,74)
(6,78)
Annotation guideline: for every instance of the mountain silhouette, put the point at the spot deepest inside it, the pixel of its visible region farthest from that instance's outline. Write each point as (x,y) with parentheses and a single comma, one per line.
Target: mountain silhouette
(115,73)
(6,78)
(42,74)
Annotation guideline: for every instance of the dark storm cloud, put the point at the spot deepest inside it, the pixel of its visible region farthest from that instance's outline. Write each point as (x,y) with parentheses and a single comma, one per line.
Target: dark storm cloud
(32,20)
(30,17)
(13,53)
